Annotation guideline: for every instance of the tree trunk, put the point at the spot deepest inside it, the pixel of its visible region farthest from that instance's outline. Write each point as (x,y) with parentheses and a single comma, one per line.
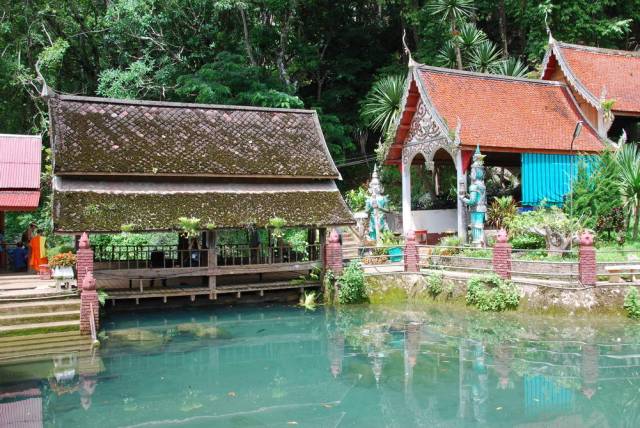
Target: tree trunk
(247,41)
(280,60)
(502,22)
(456,45)
(635,222)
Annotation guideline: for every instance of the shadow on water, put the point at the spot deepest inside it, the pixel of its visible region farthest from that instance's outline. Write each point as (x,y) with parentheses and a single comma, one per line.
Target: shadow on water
(351,366)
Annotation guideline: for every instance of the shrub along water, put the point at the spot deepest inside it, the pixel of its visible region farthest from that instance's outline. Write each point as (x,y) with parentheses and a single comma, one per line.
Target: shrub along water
(632,303)
(351,285)
(435,284)
(492,293)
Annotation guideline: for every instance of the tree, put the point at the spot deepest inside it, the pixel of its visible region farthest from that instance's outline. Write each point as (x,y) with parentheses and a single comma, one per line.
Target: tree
(628,160)
(453,11)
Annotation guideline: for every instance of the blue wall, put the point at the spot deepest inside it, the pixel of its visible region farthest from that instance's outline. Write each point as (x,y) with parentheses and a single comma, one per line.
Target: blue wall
(547,177)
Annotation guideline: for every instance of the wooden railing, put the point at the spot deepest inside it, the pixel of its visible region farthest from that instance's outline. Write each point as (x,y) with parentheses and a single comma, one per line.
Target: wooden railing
(168,256)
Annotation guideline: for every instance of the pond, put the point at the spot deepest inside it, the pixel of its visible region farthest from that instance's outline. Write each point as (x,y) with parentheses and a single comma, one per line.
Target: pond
(373,366)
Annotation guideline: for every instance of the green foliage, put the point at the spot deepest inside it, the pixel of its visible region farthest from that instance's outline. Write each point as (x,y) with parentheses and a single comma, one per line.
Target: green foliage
(511,67)
(484,57)
(102,297)
(527,241)
(351,284)
(543,222)
(435,284)
(632,303)
(356,199)
(276,224)
(448,246)
(389,239)
(190,226)
(308,301)
(381,106)
(596,189)
(492,293)
(628,160)
(127,228)
(128,83)
(501,211)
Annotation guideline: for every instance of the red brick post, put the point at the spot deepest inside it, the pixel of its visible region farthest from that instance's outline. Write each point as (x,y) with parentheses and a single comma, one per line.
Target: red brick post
(333,254)
(502,255)
(84,260)
(587,263)
(88,302)
(411,256)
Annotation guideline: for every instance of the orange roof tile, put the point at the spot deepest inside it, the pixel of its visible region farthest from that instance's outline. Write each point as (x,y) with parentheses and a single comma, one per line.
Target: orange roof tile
(507,114)
(616,71)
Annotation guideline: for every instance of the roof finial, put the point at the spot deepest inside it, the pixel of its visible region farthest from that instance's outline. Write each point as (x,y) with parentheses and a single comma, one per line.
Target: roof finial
(551,39)
(456,138)
(411,63)
(45,92)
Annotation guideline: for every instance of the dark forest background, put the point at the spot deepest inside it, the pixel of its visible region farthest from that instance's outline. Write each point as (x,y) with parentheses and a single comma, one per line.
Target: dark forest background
(319,54)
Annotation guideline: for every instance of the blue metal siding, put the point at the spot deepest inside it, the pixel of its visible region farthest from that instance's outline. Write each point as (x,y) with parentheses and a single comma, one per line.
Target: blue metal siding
(546,177)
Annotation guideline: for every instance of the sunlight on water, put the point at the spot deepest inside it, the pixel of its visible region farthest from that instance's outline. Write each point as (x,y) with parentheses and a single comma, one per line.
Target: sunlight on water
(358,366)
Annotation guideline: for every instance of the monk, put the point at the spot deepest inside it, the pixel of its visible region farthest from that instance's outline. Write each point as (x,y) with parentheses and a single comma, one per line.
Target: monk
(38,252)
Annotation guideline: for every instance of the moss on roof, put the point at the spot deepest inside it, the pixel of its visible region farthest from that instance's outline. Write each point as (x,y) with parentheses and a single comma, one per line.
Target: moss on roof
(101,136)
(108,212)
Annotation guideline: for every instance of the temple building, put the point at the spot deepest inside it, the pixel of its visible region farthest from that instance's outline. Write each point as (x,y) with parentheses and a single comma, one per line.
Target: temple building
(605,83)
(526,126)
(144,166)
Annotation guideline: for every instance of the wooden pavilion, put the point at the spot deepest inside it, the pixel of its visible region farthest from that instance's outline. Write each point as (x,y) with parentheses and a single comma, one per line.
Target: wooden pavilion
(522,124)
(140,166)
(595,76)
(20,163)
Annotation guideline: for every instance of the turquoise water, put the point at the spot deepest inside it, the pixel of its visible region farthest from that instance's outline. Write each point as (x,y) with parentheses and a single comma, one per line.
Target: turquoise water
(358,366)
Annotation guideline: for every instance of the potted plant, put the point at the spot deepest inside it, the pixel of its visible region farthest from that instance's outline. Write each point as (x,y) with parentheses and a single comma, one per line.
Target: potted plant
(62,265)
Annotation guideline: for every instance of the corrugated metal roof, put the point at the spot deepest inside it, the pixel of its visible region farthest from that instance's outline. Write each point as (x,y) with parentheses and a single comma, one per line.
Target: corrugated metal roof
(20,159)
(17,200)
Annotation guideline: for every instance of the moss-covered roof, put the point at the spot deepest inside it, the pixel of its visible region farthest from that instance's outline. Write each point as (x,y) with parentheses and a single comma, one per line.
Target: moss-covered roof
(78,211)
(120,137)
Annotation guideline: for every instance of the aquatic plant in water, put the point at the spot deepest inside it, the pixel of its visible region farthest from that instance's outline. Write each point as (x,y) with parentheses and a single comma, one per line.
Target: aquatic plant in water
(308,301)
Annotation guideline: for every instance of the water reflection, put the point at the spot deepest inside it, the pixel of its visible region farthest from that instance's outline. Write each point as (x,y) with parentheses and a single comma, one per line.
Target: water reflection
(358,366)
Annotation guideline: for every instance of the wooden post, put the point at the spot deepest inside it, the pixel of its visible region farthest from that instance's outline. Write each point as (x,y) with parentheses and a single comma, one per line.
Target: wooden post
(212,261)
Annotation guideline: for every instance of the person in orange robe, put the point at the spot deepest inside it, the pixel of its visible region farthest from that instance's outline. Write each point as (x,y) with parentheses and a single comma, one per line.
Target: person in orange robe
(37,253)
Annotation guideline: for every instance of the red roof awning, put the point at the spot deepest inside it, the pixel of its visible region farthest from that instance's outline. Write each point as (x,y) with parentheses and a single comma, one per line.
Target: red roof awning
(19,200)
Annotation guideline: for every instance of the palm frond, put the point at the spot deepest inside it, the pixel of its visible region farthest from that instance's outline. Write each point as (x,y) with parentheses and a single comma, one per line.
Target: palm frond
(447,56)
(484,56)
(381,106)
(470,36)
(510,67)
(450,10)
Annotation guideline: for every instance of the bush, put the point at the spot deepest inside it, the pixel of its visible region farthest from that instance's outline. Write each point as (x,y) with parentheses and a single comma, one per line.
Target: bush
(356,199)
(492,293)
(501,211)
(435,284)
(528,241)
(351,285)
(552,225)
(632,303)
(447,243)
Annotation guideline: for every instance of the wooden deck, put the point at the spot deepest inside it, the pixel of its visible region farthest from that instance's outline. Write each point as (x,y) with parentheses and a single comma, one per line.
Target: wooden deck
(193,292)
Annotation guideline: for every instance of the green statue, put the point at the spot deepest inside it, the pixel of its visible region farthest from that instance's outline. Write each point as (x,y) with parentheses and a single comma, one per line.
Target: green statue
(477,200)
(377,205)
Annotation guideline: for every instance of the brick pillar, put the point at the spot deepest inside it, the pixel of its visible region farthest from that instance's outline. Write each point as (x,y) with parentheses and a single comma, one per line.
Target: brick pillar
(587,262)
(411,256)
(333,253)
(502,255)
(84,259)
(89,299)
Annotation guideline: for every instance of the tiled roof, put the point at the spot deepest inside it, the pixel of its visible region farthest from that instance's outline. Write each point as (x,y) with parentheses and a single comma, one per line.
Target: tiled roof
(507,114)
(618,72)
(19,200)
(20,157)
(119,137)
(107,206)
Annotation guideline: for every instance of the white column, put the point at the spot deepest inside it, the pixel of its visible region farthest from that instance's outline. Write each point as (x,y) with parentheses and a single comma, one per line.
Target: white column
(407,218)
(462,188)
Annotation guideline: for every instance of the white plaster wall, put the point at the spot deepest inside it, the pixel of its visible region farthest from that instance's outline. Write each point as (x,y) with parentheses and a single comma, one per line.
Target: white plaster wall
(436,221)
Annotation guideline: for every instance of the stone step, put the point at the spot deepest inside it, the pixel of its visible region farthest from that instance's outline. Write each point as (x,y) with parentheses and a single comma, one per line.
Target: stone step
(31,357)
(35,295)
(39,337)
(28,318)
(78,345)
(42,342)
(25,347)
(38,327)
(54,305)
